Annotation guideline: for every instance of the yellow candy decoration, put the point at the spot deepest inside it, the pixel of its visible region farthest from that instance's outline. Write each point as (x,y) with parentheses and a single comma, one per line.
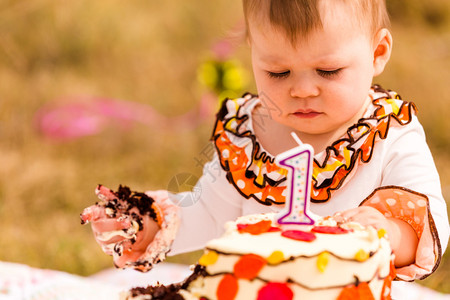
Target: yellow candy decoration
(381,233)
(208,258)
(322,261)
(275,258)
(361,255)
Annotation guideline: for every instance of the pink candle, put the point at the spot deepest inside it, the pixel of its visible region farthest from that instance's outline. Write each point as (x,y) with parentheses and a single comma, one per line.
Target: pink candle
(298,162)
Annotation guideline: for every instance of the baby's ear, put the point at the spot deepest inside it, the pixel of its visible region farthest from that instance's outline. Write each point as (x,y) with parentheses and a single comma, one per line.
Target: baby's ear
(382,48)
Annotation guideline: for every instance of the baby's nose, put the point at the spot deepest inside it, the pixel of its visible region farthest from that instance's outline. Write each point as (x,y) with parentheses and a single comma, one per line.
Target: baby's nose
(304,88)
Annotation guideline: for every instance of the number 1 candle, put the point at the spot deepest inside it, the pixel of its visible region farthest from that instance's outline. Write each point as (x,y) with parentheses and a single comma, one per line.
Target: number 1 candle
(298,161)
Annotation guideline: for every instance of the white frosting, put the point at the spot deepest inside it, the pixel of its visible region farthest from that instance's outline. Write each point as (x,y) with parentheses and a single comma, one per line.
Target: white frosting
(264,244)
(308,281)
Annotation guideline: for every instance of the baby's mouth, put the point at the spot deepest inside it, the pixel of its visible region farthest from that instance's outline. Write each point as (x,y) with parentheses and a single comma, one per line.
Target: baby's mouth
(306,113)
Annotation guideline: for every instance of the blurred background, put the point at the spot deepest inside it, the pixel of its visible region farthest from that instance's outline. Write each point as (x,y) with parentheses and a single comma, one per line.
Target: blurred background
(125,92)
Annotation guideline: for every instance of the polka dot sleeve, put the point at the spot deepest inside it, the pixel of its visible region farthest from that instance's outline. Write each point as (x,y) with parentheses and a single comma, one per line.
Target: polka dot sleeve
(413,208)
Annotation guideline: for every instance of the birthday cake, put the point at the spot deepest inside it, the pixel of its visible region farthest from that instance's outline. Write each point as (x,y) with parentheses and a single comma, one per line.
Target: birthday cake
(257,258)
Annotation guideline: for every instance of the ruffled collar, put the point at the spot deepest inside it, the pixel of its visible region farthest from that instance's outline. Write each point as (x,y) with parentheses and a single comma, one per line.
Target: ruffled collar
(254,172)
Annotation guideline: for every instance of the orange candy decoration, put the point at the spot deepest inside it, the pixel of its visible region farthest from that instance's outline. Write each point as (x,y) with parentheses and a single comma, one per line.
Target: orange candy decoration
(248,266)
(228,288)
(360,292)
(256,228)
(386,292)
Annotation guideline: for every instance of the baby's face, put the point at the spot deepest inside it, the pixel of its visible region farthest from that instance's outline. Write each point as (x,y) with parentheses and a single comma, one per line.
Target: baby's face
(321,85)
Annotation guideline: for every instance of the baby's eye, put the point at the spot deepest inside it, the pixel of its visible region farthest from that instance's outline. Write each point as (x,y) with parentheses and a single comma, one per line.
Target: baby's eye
(328,73)
(278,75)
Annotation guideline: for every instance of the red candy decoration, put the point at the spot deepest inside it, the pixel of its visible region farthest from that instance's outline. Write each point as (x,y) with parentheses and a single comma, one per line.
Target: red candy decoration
(299,235)
(274,229)
(248,266)
(227,288)
(275,290)
(256,228)
(329,229)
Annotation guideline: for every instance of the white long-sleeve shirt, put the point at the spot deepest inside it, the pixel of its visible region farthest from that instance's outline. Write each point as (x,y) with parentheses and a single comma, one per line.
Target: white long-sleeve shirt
(400,164)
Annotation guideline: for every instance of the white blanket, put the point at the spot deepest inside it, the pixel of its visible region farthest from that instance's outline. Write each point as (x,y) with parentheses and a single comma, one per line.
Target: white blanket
(21,282)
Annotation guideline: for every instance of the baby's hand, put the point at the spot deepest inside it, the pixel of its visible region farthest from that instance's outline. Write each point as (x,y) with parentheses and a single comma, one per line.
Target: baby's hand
(123,226)
(401,235)
(366,216)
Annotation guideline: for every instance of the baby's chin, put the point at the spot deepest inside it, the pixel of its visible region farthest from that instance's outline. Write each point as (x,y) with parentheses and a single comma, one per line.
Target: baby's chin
(311,124)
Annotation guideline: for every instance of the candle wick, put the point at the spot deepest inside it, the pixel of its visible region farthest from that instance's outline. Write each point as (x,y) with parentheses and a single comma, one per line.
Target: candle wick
(296,138)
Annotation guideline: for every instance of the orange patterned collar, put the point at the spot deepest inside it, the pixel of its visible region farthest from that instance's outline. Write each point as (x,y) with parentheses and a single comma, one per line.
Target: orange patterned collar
(253,172)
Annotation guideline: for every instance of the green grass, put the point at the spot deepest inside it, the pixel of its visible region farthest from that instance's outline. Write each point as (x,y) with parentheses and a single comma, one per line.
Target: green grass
(147,52)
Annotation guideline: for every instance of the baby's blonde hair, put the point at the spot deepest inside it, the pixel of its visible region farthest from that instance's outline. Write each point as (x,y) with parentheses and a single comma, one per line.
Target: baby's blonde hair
(300,17)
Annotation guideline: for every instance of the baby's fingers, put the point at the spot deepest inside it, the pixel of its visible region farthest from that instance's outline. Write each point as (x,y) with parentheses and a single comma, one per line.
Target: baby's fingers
(108,206)
(92,214)
(113,237)
(111,224)
(365,215)
(115,249)
(105,194)
(112,241)
(124,255)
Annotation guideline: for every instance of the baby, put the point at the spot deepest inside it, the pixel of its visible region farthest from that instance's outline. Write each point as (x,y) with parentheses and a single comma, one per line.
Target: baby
(313,63)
